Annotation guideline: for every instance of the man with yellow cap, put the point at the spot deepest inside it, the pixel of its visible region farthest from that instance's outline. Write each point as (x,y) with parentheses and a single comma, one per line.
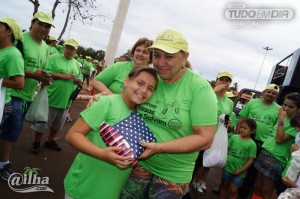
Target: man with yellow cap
(264,112)
(225,106)
(12,74)
(52,45)
(65,71)
(35,58)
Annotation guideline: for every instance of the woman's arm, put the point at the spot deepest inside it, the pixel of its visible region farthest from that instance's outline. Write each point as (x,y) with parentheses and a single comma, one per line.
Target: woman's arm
(200,140)
(76,137)
(280,135)
(100,87)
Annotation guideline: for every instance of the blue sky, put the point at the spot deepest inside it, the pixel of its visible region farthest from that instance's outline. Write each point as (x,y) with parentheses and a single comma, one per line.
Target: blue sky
(215,43)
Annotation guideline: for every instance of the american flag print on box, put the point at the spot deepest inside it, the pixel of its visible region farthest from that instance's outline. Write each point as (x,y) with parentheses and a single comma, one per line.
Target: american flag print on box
(127,134)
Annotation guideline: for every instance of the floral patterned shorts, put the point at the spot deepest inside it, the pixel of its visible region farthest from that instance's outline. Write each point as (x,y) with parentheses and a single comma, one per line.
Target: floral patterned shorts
(267,165)
(143,184)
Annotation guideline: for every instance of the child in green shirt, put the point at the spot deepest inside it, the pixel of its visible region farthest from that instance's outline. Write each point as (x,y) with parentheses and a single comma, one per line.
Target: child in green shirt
(241,154)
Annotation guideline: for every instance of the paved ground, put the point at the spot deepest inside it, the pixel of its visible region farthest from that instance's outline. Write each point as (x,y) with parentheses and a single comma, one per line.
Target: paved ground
(55,165)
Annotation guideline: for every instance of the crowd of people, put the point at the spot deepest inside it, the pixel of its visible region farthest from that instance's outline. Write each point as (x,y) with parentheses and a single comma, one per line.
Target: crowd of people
(178,105)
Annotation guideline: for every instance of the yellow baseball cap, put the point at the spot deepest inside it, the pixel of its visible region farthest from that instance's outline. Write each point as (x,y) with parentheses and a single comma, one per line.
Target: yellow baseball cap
(72,42)
(224,74)
(52,38)
(170,41)
(14,25)
(273,87)
(44,17)
(229,94)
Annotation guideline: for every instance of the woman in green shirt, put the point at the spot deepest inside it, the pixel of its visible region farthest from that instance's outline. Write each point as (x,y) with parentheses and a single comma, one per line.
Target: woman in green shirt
(276,150)
(111,79)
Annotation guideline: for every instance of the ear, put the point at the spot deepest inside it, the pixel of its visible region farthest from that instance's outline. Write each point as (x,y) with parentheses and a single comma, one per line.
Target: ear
(10,32)
(126,82)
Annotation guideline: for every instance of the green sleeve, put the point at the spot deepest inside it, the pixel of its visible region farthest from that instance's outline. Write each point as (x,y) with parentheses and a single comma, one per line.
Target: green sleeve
(96,114)
(107,76)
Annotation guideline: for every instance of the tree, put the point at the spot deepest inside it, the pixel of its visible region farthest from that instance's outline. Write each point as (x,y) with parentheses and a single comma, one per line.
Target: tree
(82,10)
(36,5)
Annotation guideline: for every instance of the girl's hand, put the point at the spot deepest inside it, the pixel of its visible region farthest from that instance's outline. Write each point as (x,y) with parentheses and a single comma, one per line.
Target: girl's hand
(281,114)
(151,149)
(294,147)
(111,156)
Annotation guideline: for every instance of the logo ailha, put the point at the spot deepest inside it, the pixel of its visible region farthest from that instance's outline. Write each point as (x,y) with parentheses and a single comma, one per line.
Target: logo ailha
(29,181)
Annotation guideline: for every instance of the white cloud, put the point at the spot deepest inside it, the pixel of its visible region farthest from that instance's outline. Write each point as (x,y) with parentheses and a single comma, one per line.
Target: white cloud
(214,42)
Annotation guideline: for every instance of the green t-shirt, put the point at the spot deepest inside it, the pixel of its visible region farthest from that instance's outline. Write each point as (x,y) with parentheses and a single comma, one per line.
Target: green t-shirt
(60,48)
(281,151)
(88,65)
(89,177)
(60,90)
(239,152)
(225,105)
(52,50)
(113,76)
(171,113)
(11,64)
(265,117)
(35,57)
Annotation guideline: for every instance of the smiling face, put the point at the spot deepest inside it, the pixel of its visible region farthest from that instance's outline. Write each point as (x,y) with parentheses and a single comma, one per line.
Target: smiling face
(138,89)
(39,30)
(141,55)
(170,67)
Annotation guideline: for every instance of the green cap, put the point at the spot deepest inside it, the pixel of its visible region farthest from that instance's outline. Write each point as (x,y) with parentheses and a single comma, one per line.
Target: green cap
(72,42)
(14,25)
(170,41)
(44,17)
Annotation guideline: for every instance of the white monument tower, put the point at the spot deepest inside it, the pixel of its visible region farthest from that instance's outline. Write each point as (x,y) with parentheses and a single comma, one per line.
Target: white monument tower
(116,32)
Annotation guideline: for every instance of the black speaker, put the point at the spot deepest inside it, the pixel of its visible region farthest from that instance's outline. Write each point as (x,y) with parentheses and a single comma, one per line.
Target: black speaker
(284,90)
(287,71)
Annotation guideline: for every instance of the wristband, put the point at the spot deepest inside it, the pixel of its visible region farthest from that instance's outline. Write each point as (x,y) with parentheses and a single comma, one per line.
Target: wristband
(281,123)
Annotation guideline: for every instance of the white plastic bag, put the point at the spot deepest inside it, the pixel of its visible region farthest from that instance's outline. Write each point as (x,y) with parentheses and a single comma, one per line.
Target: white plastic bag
(39,108)
(294,169)
(2,99)
(216,155)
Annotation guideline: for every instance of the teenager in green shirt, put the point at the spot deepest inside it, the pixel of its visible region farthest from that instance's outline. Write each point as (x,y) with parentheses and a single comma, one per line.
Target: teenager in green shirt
(12,73)
(98,171)
(276,150)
